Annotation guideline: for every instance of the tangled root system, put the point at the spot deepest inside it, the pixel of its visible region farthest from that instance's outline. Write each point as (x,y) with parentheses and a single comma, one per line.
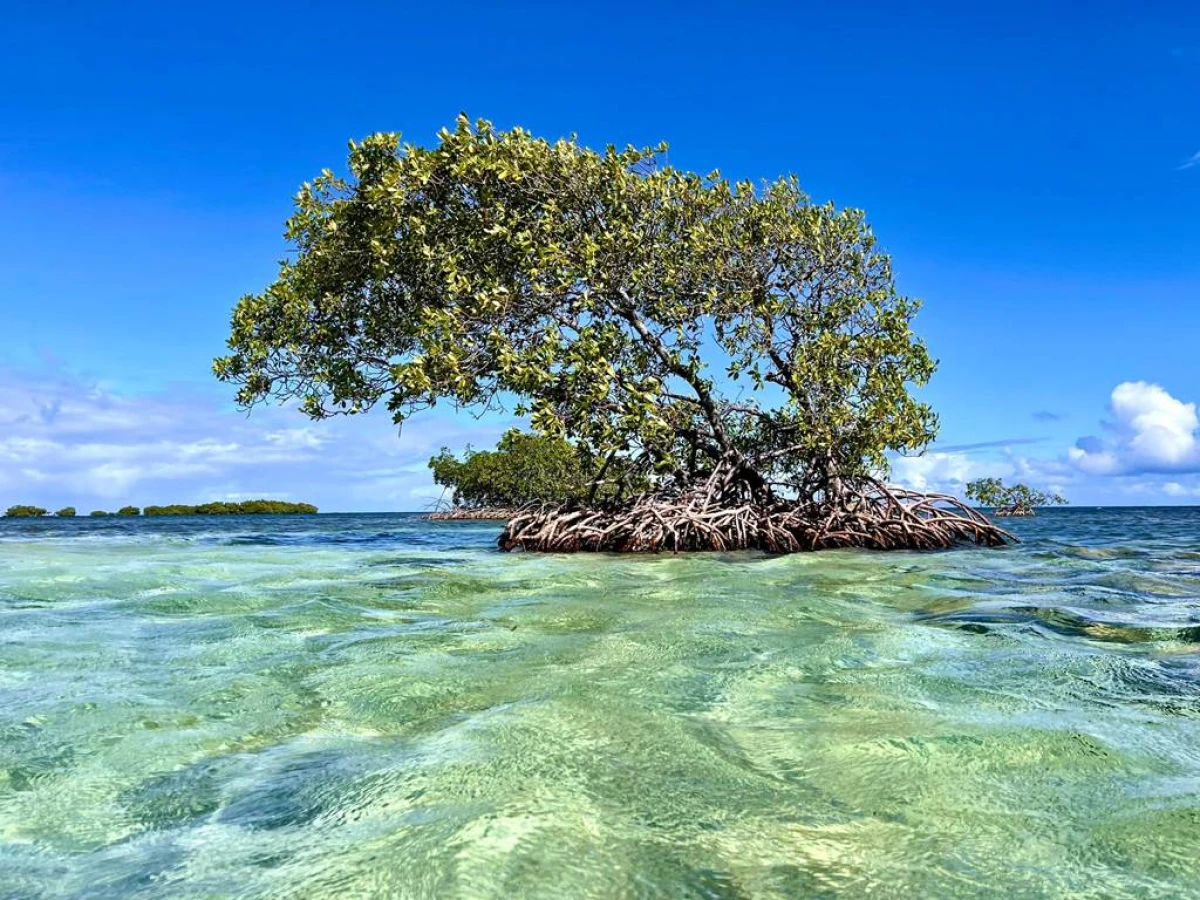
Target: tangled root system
(875,518)
(476,514)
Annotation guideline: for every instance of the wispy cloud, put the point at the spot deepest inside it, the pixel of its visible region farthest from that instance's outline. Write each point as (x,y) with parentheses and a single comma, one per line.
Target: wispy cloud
(67,440)
(1045,415)
(948,471)
(987,445)
(1190,163)
(1175,489)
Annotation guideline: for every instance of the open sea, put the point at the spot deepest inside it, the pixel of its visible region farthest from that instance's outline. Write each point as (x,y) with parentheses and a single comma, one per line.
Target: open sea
(345,706)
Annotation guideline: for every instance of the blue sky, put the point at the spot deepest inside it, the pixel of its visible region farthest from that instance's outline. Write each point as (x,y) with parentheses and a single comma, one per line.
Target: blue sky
(1033,171)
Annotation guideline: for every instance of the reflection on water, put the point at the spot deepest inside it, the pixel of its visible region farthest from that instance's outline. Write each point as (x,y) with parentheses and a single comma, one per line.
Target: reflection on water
(357,706)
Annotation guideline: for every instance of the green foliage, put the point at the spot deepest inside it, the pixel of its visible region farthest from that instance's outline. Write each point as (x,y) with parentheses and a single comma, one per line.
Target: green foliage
(97,512)
(1017,499)
(67,512)
(129,511)
(243,508)
(985,491)
(24,512)
(524,468)
(640,311)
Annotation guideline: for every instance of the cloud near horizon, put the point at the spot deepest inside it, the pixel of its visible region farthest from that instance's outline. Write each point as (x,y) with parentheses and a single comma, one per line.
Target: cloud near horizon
(1149,432)
(949,471)
(67,441)
(1149,449)
(942,471)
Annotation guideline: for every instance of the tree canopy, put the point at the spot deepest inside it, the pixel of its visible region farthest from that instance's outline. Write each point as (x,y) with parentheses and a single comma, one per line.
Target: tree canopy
(632,307)
(1010,500)
(66,512)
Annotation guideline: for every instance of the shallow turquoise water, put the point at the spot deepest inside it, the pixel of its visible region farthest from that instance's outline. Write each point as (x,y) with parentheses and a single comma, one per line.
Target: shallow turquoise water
(379,706)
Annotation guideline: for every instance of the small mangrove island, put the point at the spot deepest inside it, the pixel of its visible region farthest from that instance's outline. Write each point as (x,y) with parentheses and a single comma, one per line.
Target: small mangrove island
(1010,500)
(23,511)
(733,360)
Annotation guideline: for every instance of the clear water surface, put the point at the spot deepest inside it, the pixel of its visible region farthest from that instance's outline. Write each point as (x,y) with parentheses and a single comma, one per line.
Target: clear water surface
(380,706)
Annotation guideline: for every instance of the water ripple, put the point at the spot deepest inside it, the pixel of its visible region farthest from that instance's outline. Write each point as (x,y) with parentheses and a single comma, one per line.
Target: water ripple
(375,705)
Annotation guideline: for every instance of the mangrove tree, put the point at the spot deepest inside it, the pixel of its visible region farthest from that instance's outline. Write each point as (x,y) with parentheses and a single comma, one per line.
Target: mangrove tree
(741,349)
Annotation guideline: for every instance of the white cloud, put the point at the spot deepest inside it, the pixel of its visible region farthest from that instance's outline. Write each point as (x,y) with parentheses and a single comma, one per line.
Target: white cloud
(67,441)
(1150,431)
(1175,489)
(949,471)
(294,438)
(1190,162)
(939,471)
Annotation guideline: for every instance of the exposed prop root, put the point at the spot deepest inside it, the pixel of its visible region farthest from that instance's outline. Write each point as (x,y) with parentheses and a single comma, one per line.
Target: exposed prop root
(483,514)
(1009,512)
(878,518)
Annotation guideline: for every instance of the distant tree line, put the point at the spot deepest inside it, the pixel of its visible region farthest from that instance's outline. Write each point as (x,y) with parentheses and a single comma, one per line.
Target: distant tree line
(221,508)
(218,508)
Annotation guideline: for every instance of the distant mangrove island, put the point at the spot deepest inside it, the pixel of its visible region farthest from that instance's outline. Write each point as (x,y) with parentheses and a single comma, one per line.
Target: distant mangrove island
(216,508)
